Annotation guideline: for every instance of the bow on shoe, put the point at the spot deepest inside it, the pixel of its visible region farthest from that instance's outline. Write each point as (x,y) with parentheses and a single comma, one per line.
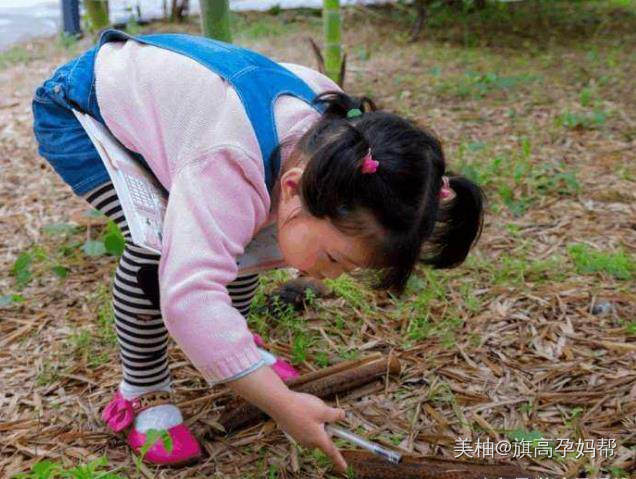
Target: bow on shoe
(118,414)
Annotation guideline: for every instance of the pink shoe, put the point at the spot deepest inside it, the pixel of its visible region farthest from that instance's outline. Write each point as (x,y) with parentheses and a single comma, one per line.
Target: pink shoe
(120,413)
(282,368)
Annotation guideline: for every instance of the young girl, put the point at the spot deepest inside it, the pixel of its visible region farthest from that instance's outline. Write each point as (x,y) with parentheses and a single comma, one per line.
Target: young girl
(241,142)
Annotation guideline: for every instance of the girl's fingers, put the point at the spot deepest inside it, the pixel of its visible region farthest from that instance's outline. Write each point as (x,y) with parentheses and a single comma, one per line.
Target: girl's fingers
(333,453)
(334,414)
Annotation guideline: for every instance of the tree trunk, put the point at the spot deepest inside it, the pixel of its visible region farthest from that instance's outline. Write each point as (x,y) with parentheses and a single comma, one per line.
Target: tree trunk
(333,50)
(420,6)
(97,11)
(71,17)
(480,4)
(215,19)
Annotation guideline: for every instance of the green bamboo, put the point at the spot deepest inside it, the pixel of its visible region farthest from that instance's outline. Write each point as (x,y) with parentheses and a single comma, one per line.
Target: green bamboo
(215,19)
(97,11)
(333,49)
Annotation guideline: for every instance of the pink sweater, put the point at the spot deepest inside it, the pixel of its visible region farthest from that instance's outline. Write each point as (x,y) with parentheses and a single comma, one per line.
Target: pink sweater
(190,126)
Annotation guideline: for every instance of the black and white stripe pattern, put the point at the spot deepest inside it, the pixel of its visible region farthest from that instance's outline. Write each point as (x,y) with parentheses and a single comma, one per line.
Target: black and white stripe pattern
(141,334)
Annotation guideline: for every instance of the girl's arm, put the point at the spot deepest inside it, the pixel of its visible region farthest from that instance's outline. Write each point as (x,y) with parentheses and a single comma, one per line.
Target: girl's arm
(212,214)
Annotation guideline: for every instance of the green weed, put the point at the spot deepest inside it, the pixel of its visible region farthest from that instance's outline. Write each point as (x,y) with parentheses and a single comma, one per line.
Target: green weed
(321,458)
(478,85)
(67,41)
(52,470)
(9,299)
(582,121)
(321,359)
(300,344)
(21,269)
(132,26)
(111,242)
(48,374)
(620,265)
(256,318)
(347,354)
(17,54)
(516,180)
(441,393)
(346,287)
(618,473)
(248,26)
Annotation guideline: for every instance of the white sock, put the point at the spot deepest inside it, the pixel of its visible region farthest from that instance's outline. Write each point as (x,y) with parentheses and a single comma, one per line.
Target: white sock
(164,416)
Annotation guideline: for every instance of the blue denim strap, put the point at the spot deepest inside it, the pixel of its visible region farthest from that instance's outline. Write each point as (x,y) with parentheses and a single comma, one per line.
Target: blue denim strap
(257,80)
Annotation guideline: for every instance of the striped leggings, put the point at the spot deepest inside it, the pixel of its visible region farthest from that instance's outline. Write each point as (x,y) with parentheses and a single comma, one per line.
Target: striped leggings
(141,334)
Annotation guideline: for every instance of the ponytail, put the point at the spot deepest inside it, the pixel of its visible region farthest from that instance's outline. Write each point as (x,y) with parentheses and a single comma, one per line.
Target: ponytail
(338,104)
(459,225)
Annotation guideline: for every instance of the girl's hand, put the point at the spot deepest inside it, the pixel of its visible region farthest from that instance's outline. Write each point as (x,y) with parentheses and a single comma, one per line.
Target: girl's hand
(303,418)
(300,415)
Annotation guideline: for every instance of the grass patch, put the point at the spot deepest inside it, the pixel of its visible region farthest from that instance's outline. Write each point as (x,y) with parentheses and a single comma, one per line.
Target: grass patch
(352,291)
(513,179)
(477,85)
(47,469)
(522,25)
(582,121)
(620,265)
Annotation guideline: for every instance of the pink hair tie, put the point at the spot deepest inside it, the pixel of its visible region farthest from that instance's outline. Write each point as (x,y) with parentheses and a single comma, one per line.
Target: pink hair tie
(446,192)
(369,165)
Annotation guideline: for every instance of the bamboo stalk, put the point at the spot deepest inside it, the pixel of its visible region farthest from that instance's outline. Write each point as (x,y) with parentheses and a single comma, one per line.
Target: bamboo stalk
(338,379)
(215,19)
(333,50)
(97,11)
(369,466)
(336,368)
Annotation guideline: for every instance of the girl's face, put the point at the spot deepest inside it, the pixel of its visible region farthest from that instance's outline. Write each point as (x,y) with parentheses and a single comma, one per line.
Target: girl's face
(309,244)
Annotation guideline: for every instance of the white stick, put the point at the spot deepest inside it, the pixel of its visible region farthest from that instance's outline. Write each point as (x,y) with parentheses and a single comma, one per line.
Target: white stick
(389,455)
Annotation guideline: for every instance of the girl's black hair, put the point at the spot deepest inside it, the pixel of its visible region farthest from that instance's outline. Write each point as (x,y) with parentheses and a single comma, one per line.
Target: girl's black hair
(396,209)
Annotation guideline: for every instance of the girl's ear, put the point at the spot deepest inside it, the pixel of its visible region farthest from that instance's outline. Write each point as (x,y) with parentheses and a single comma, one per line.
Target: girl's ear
(290,183)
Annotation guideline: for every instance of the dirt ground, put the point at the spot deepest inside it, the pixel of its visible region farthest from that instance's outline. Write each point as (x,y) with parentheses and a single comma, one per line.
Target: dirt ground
(533,337)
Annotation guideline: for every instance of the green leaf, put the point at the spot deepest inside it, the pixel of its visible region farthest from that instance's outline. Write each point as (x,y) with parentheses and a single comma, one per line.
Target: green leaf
(46,469)
(39,253)
(114,240)
(22,263)
(60,271)
(152,436)
(92,213)
(22,269)
(94,248)
(69,248)
(11,298)
(114,244)
(59,229)
(166,439)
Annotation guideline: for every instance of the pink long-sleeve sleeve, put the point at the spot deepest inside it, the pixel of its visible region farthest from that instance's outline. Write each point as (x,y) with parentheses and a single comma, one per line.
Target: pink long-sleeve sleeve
(212,215)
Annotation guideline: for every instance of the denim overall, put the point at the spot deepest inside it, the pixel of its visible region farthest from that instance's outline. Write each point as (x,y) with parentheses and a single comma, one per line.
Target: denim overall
(257,80)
